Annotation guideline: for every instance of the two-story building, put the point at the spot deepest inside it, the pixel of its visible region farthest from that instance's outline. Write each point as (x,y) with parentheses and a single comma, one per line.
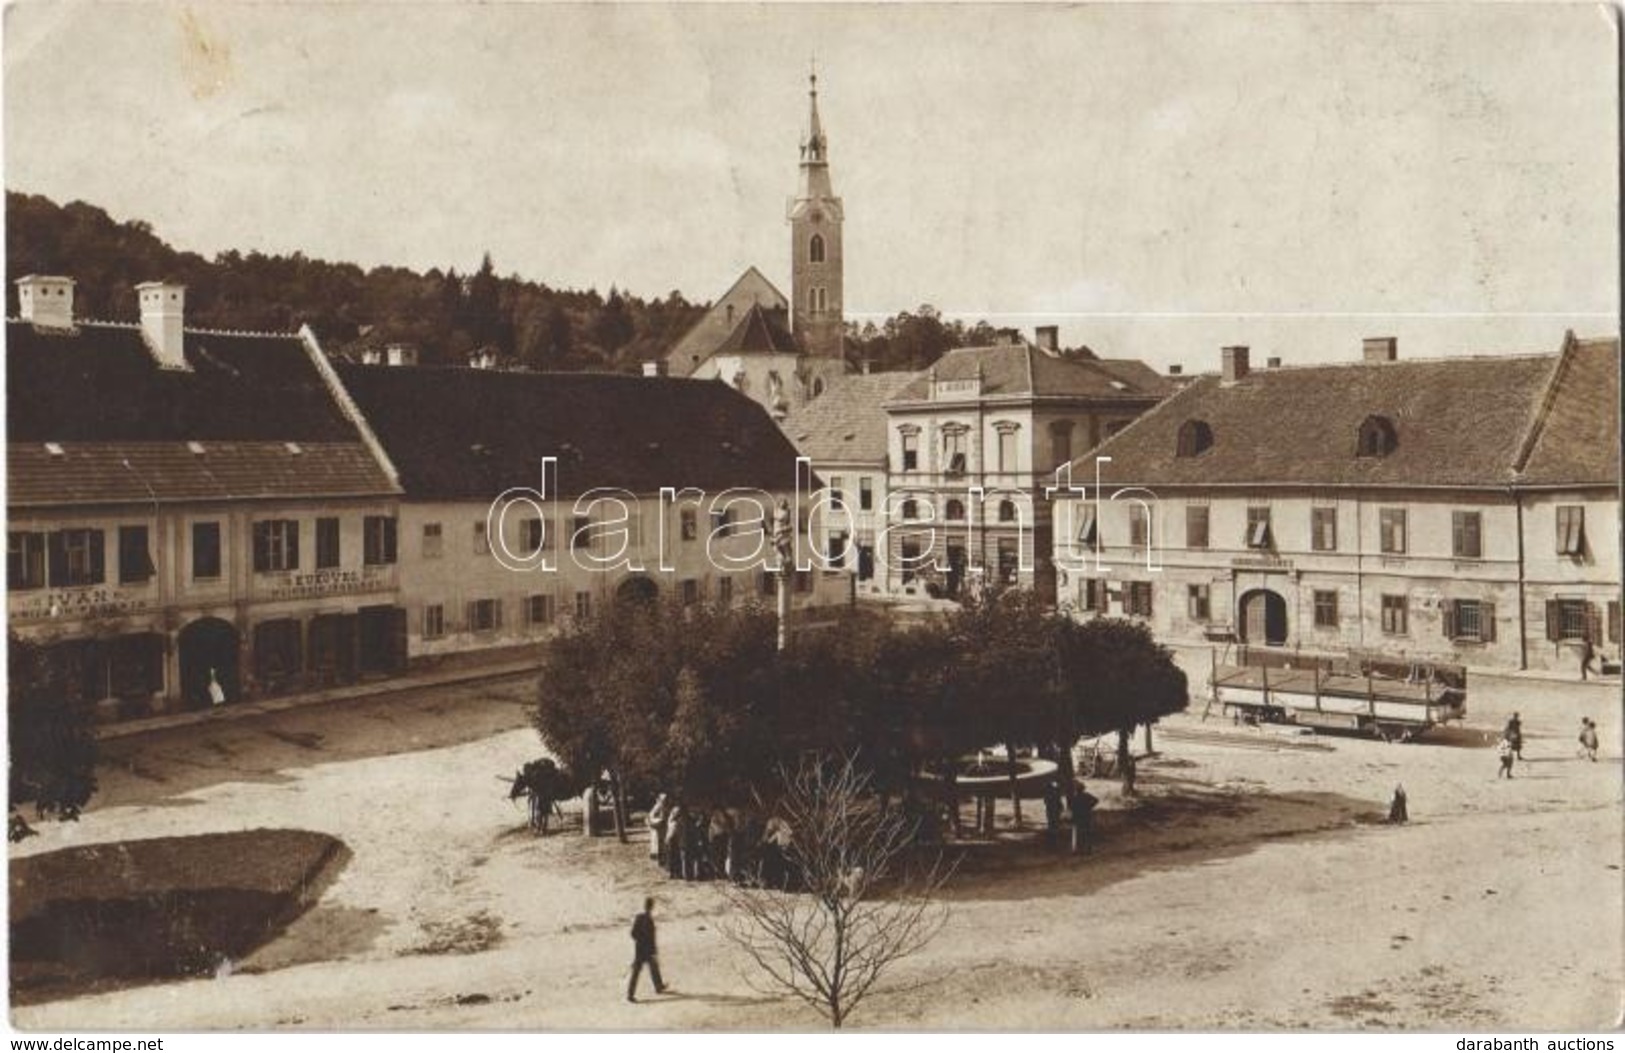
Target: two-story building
(186,504)
(974,442)
(1461,509)
(617,487)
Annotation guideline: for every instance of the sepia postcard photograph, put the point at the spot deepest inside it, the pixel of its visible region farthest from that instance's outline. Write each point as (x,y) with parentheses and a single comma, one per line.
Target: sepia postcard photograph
(794,518)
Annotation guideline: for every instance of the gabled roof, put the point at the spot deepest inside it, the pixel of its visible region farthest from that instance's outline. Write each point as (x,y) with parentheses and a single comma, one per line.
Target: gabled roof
(1021,370)
(1457,421)
(124,424)
(848,421)
(469,434)
(712,327)
(759,330)
(1577,440)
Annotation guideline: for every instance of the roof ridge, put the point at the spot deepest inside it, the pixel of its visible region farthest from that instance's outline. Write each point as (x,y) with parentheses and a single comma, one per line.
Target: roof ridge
(280,334)
(1548,399)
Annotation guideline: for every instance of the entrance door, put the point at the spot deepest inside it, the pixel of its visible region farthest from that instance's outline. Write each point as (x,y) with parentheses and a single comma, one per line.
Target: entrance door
(208,644)
(1263,618)
(383,639)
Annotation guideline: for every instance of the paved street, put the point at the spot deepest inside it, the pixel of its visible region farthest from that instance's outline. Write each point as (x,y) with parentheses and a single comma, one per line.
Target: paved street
(1212,903)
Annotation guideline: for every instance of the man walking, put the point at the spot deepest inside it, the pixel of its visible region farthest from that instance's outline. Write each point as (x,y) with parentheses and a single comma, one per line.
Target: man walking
(1082,808)
(1588,654)
(1503,750)
(643,951)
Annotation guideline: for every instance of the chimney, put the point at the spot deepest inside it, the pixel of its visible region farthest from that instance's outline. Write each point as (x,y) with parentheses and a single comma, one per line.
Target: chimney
(1176,370)
(1272,362)
(1235,364)
(654,368)
(1381,349)
(1049,338)
(401,355)
(46,301)
(163,308)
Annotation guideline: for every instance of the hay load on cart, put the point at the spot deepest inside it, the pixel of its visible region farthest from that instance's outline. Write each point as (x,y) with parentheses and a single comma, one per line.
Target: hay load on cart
(1390,698)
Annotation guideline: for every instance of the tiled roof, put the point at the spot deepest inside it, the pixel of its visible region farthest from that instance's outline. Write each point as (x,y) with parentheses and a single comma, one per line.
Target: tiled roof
(469,434)
(848,421)
(89,473)
(1024,370)
(759,330)
(97,393)
(1578,441)
(1457,422)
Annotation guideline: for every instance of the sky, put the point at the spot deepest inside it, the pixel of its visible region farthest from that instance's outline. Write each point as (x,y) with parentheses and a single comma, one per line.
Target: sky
(1159,179)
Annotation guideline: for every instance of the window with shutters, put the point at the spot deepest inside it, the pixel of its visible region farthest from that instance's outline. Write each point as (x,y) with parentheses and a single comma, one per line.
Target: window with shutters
(1139,525)
(1469,620)
(1570,620)
(1138,594)
(1199,603)
(205,551)
(583,605)
(484,616)
(1391,530)
(134,558)
(1323,529)
(725,591)
(532,537)
(539,609)
(580,532)
(433,541)
(1395,615)
(25,560)
(1087,532)
(691,592)
(327,542)
(1466,535)
(1571,532)
(378,541)
(1196,526)
(434,621)
(1258,527)
(1094,595)
(276,545)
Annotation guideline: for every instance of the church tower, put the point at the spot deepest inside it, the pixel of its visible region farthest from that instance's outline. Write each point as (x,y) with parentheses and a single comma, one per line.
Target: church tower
(816,316)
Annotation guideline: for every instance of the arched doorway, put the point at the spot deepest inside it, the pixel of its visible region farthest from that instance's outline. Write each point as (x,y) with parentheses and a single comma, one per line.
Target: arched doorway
(637,589)
(209,643)
(1263,617)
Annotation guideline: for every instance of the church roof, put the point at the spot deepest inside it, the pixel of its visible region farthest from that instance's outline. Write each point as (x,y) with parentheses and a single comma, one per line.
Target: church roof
(758,330)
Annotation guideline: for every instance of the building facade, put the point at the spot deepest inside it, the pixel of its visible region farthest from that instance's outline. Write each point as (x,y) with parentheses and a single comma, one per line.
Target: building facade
(635,488)
(973,444)
(1462,510)
(187,505)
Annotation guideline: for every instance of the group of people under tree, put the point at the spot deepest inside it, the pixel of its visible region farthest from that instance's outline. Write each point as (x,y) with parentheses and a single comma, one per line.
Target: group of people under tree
(695,843)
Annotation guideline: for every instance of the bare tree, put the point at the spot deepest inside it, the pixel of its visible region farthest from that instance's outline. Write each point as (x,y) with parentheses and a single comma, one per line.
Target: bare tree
(861,907)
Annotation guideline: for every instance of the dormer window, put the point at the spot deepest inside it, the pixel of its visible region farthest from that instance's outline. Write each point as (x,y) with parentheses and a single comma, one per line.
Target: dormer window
(815,249)
(1195,438)
(1377,437)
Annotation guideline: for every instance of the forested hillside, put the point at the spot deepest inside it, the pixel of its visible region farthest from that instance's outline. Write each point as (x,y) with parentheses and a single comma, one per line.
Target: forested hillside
(445,314)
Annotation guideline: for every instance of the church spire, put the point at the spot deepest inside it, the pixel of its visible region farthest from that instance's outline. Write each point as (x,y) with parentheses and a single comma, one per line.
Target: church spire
(812,149)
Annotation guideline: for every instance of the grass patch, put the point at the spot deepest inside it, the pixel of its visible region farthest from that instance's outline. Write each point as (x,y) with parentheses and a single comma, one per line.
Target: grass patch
(168,907)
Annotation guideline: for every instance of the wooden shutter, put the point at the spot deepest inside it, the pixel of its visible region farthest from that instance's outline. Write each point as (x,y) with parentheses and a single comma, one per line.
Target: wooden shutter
(1554,622)
(472,610)
(1613,621)
(293,544)
(1486,622)
(97,540)
(1447,618)
(496,614)
(1593,623)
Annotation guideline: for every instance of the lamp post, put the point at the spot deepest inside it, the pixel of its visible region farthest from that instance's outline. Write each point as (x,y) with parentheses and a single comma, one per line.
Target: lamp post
(784,542)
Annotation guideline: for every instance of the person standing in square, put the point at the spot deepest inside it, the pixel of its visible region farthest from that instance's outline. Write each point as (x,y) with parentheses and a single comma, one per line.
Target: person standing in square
(644,951)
